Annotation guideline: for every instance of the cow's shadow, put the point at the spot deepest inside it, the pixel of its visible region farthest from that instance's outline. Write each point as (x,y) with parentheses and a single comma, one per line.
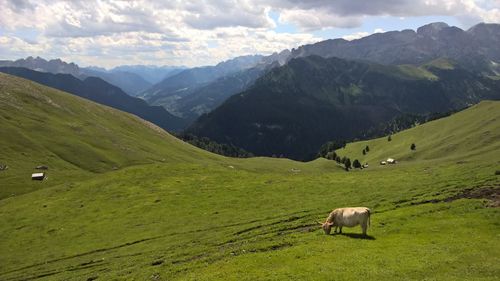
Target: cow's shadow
(355,236)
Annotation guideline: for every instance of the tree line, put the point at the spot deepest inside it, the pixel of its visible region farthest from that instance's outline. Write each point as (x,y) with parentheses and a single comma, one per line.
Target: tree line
(207,144)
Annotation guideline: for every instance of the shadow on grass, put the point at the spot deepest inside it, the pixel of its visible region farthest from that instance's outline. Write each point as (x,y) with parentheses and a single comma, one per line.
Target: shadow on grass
(356,236)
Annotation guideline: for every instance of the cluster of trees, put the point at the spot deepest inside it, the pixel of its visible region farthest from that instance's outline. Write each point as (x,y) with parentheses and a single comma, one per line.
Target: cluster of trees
(328,149)
(212,146)
(346,161)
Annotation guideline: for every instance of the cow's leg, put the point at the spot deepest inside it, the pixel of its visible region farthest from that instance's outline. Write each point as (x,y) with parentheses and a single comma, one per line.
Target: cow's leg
(364,226)
(340,229)
(335,231)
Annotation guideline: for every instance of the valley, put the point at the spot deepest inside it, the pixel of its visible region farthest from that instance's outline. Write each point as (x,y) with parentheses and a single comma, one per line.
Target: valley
(249,140)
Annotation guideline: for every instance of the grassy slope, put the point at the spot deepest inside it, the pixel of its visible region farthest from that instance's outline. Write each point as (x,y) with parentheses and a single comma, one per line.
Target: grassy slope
(473,134)
(213,218)
(74,137)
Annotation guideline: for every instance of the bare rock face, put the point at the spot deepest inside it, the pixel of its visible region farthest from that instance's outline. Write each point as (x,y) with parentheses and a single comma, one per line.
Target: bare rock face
(487,37)
(431,41)
(432,29)
(39,64)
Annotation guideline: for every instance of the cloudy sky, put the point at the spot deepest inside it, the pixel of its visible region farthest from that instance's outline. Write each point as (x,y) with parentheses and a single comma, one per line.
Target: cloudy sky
(192,33)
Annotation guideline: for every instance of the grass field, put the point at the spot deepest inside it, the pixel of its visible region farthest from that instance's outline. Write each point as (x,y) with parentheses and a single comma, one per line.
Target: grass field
(173,212)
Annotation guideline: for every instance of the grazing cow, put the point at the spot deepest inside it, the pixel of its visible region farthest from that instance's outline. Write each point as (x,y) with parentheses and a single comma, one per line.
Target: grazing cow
(347,217)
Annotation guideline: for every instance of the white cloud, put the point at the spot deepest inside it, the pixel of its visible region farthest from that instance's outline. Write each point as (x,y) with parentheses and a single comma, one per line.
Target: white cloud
(316,19)
(195,32)
(318,14)
(20,46)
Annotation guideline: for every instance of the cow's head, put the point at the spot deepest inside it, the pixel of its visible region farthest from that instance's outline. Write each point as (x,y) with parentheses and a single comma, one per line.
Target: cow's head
(327,227)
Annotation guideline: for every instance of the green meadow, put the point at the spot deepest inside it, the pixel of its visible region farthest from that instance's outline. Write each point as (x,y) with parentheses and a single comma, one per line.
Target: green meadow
(125,200)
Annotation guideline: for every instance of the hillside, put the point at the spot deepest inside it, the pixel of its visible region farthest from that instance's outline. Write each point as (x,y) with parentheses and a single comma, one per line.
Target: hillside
(295,108)
(198,216)
(75,137)
(98,90)
(469,134)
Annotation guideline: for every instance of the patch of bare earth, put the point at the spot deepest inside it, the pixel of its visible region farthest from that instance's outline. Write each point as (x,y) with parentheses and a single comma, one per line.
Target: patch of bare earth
(490,193)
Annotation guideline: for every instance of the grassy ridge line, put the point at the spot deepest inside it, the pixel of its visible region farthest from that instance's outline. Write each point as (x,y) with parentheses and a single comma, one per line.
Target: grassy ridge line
(468,135)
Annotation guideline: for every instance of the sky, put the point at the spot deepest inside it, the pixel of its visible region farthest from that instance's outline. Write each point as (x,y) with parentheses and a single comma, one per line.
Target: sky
(109,33)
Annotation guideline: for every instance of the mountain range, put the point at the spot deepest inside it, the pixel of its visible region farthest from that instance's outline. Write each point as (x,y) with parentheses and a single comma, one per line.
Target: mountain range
(131,79)
(196,91)
(338,89)
(193,92)
(151,73)
(475,47)
(295,108)
(290,102)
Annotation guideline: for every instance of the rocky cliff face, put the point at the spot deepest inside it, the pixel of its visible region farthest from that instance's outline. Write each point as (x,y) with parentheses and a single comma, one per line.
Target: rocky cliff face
(429,42)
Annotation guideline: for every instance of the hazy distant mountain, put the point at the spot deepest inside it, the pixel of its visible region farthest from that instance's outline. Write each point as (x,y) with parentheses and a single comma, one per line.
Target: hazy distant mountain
(129,82)
(190,100)
(151,73)
(295,108)
(208,97)
(100,91)
(187,81)
(277,58)
(477,46)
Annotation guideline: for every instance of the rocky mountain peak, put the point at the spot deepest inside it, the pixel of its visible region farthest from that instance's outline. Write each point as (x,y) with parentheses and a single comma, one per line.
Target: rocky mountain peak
(432,29)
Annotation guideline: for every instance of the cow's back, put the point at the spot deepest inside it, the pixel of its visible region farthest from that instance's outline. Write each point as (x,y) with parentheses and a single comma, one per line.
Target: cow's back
(352,216)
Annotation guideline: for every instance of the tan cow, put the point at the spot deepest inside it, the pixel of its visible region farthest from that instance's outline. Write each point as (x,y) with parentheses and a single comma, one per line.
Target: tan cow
(347,217)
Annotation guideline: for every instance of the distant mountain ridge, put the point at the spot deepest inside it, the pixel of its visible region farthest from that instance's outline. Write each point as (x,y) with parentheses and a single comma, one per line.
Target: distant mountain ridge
(188,79)
(188,95)
(206,98)
(151,73)
(129,82)
(39,64)
(100,91)
(475,47)
(199,90)
(293,109)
